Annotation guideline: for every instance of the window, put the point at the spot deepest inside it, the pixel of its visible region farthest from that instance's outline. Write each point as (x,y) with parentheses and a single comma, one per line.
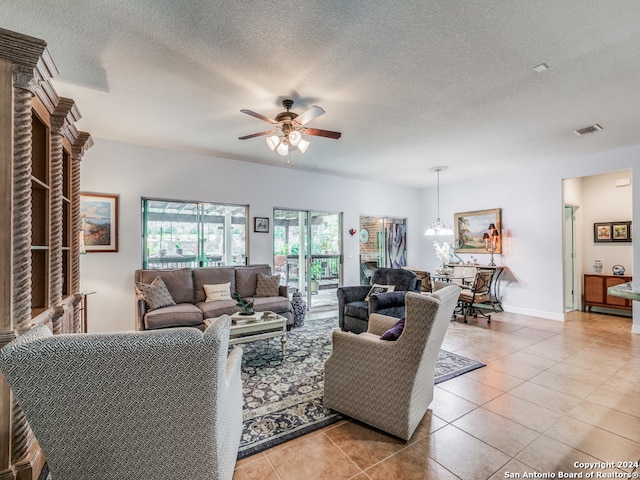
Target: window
(180,234)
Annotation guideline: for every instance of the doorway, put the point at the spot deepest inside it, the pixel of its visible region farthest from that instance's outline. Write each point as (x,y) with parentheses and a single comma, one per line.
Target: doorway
(569,255)
(383,244)
(307,252)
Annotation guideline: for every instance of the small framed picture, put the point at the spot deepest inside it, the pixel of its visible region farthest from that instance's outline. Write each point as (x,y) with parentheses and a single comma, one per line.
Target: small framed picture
(261,224)
(621,231)
(602,232)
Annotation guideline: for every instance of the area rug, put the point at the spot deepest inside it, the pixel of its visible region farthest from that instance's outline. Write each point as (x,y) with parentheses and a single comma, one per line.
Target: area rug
(283,397)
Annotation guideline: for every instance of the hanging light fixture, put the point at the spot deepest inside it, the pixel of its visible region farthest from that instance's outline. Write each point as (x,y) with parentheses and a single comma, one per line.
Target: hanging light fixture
(438,228)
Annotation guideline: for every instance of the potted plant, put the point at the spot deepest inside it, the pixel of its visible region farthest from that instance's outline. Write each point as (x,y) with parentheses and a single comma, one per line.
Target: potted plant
(178,249)
(246,308)
(316,274)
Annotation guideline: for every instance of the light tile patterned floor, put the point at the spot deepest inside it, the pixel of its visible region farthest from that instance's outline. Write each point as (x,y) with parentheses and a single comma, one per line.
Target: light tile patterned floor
(552,394)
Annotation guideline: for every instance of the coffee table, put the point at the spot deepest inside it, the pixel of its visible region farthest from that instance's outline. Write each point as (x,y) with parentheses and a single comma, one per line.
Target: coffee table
(244,331)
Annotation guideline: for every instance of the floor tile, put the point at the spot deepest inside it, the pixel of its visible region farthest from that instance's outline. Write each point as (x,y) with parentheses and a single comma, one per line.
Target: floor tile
(565,392)
(448,406)
(495,378)
(519,370)
(317,457)
(545,397)
(260,469)
(499,432)
(564,384)
(548,455)
(525,413)
(462,454)
(514,469)
(594,441)
(622,424)
(409,464)
(532,360)
(364,445)
(467,388)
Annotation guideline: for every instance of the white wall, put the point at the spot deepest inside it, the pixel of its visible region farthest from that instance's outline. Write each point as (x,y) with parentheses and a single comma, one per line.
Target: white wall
(531,200)
(134,172)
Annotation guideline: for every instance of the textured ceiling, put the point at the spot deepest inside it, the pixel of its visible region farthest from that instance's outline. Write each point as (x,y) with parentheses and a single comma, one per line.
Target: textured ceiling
(410,84)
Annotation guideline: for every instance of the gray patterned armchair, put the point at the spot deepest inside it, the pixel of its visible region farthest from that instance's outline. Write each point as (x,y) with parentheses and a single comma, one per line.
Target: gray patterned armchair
(154,405)
(389,384)
(354,309)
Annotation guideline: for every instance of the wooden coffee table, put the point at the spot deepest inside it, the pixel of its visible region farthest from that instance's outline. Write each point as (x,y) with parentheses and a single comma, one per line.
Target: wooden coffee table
(244,331)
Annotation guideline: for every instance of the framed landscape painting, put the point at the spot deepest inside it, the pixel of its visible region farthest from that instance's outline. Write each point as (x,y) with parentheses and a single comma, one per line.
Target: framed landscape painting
(99,214)
(469,227)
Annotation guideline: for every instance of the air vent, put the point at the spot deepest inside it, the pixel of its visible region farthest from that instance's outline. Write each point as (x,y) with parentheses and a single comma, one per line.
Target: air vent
(590,129)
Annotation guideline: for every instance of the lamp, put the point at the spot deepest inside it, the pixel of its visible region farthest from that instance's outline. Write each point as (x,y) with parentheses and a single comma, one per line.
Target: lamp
(272,142)
(439,228)
(491,240)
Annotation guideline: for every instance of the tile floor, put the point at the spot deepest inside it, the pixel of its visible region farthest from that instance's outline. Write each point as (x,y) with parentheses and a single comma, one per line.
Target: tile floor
(552,394)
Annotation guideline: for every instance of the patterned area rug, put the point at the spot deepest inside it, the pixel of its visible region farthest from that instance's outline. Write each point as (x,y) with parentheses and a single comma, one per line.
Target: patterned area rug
(283,398)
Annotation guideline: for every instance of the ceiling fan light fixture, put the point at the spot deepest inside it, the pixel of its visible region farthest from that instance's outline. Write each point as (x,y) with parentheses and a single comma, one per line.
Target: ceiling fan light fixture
(295,137)
(303,145)
(283,149)
(272,142)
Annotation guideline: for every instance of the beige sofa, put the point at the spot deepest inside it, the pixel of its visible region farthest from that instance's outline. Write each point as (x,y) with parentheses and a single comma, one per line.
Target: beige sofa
(186,287)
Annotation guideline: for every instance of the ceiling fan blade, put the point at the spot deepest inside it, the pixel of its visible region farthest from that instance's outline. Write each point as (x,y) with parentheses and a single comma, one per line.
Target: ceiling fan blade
(259,116)
(308,115)
(322,133)
(266,132)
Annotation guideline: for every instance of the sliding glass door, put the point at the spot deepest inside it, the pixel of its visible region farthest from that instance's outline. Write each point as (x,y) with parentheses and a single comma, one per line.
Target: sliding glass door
(308,253)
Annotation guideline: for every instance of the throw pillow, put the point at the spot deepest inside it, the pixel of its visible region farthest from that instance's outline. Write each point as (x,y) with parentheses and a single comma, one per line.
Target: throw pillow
(221,291)
(267,286)
(379,289)
(394,332)
(155,294)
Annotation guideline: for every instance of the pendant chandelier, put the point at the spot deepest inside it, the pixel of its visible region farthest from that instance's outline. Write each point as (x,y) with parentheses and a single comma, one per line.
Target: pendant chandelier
(438,228)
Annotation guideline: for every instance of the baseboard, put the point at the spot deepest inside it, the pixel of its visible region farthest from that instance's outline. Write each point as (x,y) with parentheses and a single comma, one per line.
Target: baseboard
(559,317)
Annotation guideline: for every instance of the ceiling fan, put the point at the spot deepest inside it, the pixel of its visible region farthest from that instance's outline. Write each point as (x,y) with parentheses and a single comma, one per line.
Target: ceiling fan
(288,129)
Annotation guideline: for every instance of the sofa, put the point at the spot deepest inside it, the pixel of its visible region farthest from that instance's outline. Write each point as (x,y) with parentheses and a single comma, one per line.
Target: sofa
(357,303)
(188,305)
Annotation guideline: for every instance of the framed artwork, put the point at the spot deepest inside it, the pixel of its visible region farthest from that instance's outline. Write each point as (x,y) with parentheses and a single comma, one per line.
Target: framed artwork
(469,228)
(604,232)
(261,224)
(99,216)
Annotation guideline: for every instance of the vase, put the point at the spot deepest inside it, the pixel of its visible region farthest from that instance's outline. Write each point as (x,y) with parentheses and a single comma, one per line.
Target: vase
(597,266)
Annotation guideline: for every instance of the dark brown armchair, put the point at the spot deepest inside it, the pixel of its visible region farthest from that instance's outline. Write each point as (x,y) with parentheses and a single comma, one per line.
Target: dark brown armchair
(354,308)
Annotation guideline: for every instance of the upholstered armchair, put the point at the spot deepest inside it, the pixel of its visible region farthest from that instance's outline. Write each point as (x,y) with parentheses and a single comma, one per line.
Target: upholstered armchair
(354,308)
(155,405)
(389,384)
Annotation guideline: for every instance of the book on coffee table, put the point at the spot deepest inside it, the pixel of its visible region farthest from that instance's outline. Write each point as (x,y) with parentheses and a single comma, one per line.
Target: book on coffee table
(237,318)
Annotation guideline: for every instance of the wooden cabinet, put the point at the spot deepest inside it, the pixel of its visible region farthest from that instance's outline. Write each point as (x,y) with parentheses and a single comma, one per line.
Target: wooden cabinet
(40,156)
(595,291)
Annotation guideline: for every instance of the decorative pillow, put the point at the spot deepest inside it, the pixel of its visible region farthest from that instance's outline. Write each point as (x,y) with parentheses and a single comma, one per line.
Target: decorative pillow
(379,289)
(221,291)
(394,332)
(155,294)
(267,286)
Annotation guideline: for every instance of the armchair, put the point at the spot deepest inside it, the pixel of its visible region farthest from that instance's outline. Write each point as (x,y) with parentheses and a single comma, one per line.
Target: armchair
(389,384)
(478,292)
(354,310)
(154,405)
